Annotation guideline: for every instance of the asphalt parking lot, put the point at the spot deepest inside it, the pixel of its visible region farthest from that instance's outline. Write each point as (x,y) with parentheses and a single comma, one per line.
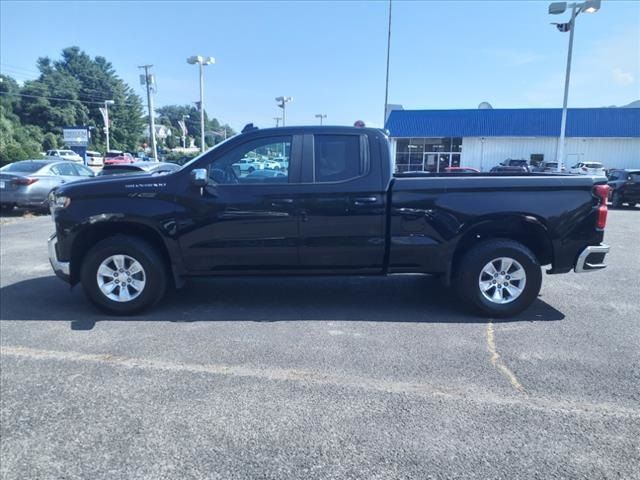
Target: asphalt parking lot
(315,378)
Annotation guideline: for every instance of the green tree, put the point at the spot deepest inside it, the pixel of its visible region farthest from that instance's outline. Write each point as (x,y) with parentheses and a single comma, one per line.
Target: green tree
(49,141)
(71,91)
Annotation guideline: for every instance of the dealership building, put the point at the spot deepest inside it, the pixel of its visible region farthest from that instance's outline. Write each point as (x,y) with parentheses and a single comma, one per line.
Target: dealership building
(431,140)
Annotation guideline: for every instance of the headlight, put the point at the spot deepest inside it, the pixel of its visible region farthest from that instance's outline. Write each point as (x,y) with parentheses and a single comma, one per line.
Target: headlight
(62,201)
(57,202)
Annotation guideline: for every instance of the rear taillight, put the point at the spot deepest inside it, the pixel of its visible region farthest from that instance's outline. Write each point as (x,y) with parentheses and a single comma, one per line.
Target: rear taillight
(602,192)
(26,181)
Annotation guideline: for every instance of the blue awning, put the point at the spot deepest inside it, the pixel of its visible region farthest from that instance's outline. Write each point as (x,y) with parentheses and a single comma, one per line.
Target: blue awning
(522,122)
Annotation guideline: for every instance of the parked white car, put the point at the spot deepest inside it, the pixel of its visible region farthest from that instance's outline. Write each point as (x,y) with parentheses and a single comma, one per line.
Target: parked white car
(248,165)
(283,163)
(588,168)
(94,159)
(271,164)
(65,155)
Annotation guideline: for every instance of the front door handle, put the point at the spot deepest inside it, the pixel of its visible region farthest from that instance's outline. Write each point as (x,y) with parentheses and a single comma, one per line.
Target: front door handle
(281,202)
(360,201)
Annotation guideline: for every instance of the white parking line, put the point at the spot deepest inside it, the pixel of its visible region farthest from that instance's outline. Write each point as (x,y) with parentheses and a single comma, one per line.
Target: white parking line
(471,394)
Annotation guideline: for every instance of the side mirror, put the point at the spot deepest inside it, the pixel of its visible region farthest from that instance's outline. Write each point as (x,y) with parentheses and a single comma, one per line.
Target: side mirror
(199,177)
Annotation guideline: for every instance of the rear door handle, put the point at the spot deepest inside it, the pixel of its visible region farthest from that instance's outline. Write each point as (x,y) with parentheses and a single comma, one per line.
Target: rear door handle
(360,201)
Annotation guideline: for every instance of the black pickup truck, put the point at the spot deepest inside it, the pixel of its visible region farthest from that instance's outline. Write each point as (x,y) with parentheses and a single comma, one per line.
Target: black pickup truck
(318,201)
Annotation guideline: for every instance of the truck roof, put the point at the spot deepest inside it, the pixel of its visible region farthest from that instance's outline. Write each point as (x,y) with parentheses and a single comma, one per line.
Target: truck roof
(301,129)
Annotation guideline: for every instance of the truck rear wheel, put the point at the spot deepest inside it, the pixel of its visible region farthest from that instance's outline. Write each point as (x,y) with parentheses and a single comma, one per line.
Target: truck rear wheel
(123,275)
(498,278)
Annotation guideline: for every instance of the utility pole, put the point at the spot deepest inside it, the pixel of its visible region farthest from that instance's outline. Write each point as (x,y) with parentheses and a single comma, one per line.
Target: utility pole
(277,119)
(149,81)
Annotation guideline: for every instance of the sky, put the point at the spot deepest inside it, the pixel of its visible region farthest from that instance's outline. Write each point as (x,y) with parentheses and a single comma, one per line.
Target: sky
(331,56)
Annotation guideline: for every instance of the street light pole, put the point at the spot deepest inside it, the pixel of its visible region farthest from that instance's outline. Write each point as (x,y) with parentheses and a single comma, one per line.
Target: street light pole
(282,103)
(563,122)
(277,119)
(202,140)
(386,83)
(589,6)
(201,61)
(321,116)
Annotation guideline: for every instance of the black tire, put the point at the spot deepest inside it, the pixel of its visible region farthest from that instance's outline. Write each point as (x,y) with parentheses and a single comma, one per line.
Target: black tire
(251,170)
(616,200)
(155,273)
(467,276)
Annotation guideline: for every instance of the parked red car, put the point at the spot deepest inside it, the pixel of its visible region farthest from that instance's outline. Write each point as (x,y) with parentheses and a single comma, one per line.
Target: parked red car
(114,158)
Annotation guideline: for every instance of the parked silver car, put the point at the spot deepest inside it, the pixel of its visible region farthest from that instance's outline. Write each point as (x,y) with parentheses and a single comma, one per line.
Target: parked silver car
(27,183)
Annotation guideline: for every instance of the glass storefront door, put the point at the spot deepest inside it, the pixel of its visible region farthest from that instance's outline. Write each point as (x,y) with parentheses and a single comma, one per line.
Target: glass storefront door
(427,154)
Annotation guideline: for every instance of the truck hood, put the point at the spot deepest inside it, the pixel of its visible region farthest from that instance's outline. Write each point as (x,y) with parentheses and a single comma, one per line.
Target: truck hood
(115,184)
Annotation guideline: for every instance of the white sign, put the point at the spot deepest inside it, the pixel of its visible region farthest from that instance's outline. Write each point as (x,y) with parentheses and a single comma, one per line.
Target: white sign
(76,137)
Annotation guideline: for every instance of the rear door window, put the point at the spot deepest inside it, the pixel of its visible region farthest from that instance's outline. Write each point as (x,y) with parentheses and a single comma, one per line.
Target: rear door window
(82,171)
(64,169)
(337,158)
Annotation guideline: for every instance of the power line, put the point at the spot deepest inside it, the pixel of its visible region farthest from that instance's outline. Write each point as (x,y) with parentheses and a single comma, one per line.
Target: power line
(91,93)
(62,99)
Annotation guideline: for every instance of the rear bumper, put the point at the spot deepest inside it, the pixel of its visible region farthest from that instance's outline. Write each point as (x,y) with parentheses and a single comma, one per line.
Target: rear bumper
(591,258)
(22,198)
(61,269)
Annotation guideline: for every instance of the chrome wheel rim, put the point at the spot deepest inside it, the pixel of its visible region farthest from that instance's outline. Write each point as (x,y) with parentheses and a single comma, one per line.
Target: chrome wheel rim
(502,280)
(121,278)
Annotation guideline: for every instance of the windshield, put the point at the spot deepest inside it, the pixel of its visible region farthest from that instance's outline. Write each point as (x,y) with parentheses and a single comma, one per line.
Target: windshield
(26,167)
(593,165)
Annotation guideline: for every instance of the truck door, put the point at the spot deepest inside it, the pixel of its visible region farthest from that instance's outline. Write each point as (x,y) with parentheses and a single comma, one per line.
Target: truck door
(245,221)
(342,214)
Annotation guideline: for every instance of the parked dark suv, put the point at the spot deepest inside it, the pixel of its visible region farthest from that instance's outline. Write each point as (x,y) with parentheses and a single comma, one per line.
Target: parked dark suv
(624,187)
(512,162)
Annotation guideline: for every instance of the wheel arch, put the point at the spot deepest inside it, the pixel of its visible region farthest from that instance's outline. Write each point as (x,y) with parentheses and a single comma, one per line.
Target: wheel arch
(525,229)
(89,235)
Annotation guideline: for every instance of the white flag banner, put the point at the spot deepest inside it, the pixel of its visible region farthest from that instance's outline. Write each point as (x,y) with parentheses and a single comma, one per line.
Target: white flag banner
(183,126)
(104,113)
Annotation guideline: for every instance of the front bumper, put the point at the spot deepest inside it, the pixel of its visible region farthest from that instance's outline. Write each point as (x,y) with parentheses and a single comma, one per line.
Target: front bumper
(61,269)
(591,258)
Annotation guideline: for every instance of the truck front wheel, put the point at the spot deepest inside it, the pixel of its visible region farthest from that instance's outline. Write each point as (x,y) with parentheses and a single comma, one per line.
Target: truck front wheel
(123,275)
(498,278)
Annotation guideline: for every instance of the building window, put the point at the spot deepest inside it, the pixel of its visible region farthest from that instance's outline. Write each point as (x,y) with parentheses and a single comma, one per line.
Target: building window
(427,154)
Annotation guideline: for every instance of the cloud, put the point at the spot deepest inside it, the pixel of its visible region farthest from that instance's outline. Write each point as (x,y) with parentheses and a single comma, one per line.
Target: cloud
(620,77)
